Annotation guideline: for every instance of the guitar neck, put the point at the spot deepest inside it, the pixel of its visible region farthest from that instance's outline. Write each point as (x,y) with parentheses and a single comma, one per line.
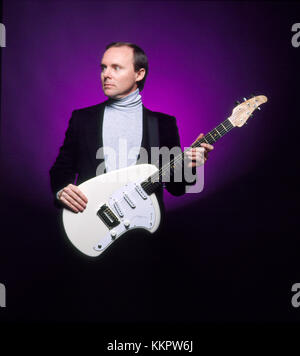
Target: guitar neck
(157,179)
(214,135)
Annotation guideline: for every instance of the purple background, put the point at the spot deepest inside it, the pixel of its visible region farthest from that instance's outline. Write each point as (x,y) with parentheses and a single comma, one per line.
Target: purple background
(203,57)
(229,253)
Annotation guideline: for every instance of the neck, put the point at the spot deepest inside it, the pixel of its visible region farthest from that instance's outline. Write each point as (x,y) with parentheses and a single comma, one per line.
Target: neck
(131,101)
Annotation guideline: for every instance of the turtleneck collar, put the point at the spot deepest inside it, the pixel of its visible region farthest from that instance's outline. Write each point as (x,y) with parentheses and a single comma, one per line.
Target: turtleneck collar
(131,101)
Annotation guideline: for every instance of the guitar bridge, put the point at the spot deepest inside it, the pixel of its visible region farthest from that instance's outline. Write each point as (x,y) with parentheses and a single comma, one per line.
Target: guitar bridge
(108,217)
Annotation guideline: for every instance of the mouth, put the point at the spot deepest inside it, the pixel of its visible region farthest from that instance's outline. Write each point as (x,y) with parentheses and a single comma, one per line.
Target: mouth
(108,85)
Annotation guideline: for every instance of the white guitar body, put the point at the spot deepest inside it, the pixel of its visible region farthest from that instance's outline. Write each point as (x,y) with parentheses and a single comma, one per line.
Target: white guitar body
(118,192)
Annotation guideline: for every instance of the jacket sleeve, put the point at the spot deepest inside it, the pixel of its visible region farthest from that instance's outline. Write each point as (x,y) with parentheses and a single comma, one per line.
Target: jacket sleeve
(173,140)
(64,169)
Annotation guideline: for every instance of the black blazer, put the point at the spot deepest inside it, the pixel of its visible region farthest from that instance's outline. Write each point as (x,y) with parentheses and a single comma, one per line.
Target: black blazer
(76,161)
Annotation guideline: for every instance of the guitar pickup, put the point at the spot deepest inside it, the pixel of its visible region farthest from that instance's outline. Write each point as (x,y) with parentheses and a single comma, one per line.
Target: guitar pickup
(141,192)
(107,216)
(129,201)
(118,209)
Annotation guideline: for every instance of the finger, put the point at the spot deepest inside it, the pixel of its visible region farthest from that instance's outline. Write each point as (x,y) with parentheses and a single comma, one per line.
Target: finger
(207,146)
(72,201)
(73,194)
(79,192)
(195,151)
(196,161)
(200,152)
(200,136)
(191,164)
(69,205)
(200,160)
(198,156)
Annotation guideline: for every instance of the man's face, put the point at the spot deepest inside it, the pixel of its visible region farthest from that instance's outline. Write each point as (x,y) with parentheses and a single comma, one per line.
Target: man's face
(118,77)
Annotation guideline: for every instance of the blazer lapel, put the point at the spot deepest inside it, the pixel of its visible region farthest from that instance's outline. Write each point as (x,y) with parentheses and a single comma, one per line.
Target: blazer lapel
(93,133)
(152,128)
(150,133)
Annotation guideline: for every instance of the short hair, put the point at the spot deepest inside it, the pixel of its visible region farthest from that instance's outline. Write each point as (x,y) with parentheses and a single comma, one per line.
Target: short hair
(140,59)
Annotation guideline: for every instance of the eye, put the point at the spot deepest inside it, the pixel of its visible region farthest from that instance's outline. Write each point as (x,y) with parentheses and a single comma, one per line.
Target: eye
(117,67)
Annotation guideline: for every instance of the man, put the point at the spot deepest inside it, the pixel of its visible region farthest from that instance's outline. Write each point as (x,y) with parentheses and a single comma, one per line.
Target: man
(123,116)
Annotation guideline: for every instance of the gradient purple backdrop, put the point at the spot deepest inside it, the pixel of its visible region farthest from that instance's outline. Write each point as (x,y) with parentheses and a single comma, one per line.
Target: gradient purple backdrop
(203,56)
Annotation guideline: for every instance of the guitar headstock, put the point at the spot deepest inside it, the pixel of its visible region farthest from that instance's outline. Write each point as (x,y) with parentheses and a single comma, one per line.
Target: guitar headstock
(242,112)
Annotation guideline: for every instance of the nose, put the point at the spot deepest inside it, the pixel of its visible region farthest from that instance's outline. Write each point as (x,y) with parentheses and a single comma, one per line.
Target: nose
(106,73)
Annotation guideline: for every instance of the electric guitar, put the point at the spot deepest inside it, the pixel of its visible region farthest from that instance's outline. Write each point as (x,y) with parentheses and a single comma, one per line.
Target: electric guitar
(124,199)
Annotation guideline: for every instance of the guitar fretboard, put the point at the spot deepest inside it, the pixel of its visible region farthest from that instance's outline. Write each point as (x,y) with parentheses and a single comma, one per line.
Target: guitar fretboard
(156,179)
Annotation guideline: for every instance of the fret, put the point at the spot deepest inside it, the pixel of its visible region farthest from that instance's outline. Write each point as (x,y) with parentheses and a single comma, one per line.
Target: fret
(215,134)
(224,127)
(198,143)
(204,139)
(228,125)
(210,141)
(221,130)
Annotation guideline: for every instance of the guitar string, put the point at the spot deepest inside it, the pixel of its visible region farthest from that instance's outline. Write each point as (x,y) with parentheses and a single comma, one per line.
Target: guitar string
(219,129)
(147,184)
(223,130)
(178,158)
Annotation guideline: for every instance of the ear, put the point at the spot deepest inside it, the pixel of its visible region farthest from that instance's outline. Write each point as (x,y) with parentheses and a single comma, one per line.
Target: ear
(140,74)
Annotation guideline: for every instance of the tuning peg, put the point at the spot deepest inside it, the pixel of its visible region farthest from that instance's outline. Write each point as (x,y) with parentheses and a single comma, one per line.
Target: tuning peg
(237,103)
(258,108)
(252,95)
(245,99)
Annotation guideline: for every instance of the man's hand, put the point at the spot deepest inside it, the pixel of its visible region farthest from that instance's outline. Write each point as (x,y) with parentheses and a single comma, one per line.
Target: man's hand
(73,198)
(199,155)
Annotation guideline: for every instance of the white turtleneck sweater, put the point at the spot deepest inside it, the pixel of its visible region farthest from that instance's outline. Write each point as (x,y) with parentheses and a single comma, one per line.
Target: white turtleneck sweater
(122,131)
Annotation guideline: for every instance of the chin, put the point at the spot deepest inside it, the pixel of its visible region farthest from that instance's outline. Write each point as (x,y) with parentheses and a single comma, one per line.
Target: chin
(109,92)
